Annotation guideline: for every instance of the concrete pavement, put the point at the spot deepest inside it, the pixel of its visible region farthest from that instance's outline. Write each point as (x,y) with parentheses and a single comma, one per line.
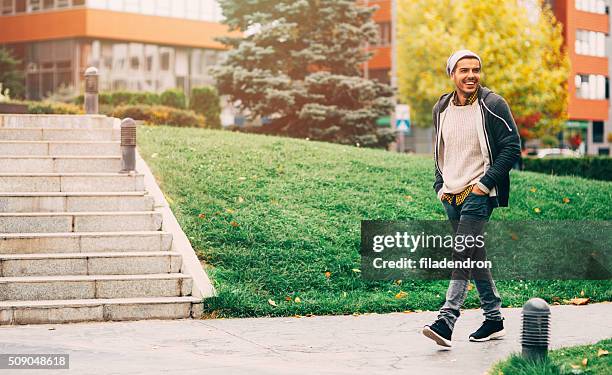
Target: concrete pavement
(366,344)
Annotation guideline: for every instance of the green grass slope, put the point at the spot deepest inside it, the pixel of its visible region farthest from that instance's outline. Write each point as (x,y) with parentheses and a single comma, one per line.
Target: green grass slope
(277,219)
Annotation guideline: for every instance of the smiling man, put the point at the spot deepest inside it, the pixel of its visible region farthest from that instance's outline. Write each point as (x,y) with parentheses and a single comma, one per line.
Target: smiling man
(476,144)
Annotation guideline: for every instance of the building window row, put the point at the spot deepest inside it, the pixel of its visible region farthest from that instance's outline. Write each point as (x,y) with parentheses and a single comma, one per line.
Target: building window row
(590,43)
(592,86)
(10,7)
(203,10)
(592,6)
(384,34)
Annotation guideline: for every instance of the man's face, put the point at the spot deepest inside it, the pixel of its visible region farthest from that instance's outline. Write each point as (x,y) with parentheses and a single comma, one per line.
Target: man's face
(466,76)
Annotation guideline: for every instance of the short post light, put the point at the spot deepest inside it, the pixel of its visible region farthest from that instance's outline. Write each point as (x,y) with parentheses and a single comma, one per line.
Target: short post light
(91,90)
(128,145)
(535,334)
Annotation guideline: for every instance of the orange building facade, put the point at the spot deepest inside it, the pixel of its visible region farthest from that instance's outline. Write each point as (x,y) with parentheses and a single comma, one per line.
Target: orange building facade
(138,45)
(586,27)
(380,65)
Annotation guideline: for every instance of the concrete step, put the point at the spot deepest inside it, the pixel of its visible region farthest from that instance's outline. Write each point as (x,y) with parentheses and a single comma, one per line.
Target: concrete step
(48,134)
(71,182)
(124,263)
(97,310)
(59,164)
(57,243)
(50,222)
(22,202)
(56,121)
(36,288)
(58,148)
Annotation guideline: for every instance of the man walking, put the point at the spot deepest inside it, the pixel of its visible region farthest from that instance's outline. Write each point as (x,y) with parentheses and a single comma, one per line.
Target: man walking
(477,143)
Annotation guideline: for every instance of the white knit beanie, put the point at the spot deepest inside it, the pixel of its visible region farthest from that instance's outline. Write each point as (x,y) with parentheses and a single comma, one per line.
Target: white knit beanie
(455,57)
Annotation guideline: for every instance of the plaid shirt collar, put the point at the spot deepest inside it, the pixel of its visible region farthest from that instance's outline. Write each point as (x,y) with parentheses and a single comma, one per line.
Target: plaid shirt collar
(468,101)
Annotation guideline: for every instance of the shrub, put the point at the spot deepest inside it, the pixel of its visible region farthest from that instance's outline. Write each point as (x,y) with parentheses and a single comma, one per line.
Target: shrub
(549,141)
(174,98)
(594,167)
(53,108)
(205,100)
(160,115)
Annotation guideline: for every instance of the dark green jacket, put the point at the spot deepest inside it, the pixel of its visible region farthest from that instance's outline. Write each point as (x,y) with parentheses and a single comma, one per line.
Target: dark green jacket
(502,141)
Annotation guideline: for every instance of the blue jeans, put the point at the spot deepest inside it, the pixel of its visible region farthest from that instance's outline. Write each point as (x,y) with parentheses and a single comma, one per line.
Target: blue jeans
(469,218)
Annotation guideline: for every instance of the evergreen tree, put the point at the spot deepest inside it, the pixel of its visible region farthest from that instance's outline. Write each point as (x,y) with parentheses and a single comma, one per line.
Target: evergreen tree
(11,75)
(299,64)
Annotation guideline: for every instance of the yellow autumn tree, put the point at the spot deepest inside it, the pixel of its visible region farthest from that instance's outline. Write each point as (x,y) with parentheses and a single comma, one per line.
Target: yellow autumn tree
(519,41)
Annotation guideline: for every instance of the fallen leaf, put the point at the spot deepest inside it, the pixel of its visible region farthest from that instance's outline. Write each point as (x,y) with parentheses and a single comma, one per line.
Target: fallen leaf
(234,224)
(240,199)
(309,315)
(344,294)
(202,216)
(407,312)
(585,361)
(356,270)
(533,189)
(297,316)
(272,303)
(401,295)
(556,299)
(579,301)
(408,198)
(288,298)
(514,237)
(328,274)
(575,367)
(155,155)
(582,293)
(241,178)
(418,311)
(229,211)
(254,177)
(398,282)
(356,314)
(537,210)
(566,200)
(297,300)
(602,352)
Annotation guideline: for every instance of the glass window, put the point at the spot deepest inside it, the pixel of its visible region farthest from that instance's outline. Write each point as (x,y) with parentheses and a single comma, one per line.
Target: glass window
(598,131)
(590,86)
(33,5)
(78,2)
(99,4)
(63,3)
(163,8)
(7,6)
(178,8)
(193,9)
(590,43)
(48,4)
(592,6)
(147,7)
(20,6)
(115,5)
(132,6)
(164,59)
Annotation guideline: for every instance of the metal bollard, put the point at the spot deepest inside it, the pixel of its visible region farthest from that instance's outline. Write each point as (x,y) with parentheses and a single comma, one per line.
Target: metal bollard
(535,334)
(91,90)
(128,145)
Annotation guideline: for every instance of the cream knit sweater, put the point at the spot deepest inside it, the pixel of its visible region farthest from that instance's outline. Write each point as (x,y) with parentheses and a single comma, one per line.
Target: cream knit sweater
(461,159)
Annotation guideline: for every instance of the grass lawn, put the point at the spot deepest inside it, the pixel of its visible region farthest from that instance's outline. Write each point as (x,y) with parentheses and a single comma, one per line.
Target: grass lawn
(278,220)
(586,359)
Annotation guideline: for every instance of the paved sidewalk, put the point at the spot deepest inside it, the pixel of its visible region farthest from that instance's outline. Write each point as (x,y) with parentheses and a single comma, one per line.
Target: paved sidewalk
(367,344)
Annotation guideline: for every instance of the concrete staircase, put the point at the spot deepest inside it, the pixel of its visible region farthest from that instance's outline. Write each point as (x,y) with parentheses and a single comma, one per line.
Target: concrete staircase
(78,240)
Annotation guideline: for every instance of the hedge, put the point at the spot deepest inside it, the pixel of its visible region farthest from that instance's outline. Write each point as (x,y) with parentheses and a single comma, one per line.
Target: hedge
(205,100)
(160,115)
(593,167)
(52,108)
(174,98)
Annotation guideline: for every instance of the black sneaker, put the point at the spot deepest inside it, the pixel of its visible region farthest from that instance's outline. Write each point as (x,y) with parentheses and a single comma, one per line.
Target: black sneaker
(489,330)
(439,332)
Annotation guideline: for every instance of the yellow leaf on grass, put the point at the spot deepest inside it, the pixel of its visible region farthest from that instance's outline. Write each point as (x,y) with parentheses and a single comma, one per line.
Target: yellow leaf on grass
(537,210)
(585,361)
(240,199)
(582,293)
(579,301)
(202,216)
(401,295)
(566,200)
(272,303)
(297,300)
(398,282)
(408,198)
(575,367)
(234,224)
(229,211)
(328,274)
(533,189)
(356,270)
(601,352)
(407,312)
(288,298)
